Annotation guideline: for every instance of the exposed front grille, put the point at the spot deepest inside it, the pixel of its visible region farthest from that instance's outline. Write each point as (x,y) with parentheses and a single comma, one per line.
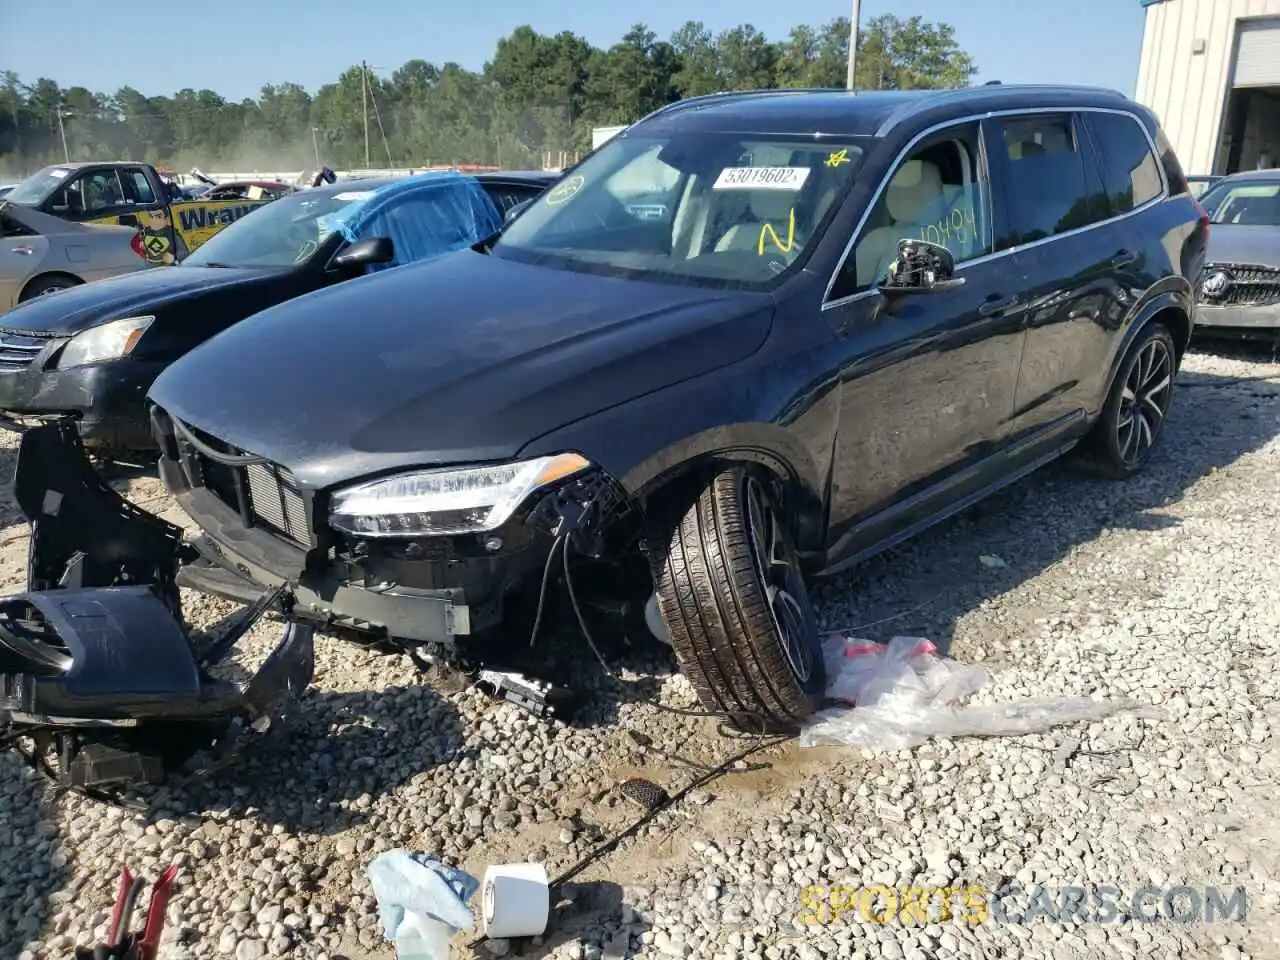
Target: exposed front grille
(18,350)
(1250,286)
(263,494)
(275,500)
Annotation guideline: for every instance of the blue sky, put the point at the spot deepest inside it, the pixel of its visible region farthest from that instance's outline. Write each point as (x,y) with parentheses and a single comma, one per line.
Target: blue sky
(312,41)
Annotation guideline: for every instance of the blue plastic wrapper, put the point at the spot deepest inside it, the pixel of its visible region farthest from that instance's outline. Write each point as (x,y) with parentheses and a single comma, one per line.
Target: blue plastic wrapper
(422,904)
(425,215)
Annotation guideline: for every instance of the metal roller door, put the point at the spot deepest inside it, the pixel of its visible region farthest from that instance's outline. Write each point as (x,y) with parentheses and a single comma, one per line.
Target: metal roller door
(1257,54)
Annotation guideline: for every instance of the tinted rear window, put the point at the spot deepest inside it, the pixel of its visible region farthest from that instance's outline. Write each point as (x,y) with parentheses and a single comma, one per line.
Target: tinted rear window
(1130,170)
(1047,186)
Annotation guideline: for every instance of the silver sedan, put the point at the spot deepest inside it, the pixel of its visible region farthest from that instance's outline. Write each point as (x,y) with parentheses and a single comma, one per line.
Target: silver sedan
(40,254)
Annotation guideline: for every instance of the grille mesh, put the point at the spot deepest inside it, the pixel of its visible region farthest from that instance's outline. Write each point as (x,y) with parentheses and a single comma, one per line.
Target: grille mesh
(275,500)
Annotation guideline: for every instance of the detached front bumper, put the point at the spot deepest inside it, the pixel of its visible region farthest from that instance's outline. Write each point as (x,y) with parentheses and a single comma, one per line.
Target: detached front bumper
(96,666)
(107,399)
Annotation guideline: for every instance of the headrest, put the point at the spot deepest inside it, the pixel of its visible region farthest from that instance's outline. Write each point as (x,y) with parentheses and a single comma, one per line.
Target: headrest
(913,188)
(1025,148)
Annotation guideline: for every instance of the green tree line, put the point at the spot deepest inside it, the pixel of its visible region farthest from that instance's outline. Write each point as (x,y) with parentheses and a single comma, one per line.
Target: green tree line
(537,93)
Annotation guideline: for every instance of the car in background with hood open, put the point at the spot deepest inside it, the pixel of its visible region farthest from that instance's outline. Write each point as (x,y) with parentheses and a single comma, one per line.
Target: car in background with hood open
(1239,294)
(91,352)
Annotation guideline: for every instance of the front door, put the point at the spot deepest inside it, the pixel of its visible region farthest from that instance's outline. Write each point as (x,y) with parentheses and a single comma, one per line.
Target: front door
(928,383)
(122,196)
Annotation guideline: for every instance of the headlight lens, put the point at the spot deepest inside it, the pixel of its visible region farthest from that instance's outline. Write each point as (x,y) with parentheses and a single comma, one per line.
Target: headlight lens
(110,341)
(443,502)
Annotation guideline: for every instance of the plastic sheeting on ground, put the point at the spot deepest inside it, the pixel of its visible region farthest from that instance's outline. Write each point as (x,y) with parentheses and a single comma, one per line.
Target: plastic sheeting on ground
(902,694)
(421,902)
(424,215)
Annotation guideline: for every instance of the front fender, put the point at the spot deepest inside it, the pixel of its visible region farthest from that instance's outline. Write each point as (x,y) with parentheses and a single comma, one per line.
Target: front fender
(729,415)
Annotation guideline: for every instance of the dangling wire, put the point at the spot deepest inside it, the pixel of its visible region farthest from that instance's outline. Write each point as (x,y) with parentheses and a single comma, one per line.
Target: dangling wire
(582,622)
(542,592)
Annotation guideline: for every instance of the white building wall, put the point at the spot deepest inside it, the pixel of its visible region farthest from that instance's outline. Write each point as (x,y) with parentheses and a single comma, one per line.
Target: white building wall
(1188,90)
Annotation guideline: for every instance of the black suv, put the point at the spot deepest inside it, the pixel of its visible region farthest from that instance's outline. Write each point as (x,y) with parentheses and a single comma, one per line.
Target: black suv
(852,316)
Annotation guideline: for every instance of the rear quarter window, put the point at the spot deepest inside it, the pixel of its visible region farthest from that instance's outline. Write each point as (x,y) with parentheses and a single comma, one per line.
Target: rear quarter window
(1130,171)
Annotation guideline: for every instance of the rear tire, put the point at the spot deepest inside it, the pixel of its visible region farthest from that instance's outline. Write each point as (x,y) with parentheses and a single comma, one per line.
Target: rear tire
(734,602)
(42,285)
(1125,436)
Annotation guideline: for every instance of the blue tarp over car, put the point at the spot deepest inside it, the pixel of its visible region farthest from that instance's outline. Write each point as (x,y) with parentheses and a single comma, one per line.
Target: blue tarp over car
(425,215)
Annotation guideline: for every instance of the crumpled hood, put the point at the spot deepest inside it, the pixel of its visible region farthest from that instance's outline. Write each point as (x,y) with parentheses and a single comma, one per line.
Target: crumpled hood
(130,295)
(461,359)
(1234,243)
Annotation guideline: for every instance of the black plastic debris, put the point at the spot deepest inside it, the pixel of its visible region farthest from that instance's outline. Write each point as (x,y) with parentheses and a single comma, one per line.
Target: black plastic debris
(644,793)
(101,682)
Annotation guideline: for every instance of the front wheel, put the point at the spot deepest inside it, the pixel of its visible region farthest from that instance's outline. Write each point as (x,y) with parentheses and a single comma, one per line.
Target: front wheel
(1132,419)
(734,603)
(45,285)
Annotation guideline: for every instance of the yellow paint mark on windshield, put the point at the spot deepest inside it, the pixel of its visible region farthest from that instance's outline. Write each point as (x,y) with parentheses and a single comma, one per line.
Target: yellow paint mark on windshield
(838,157)
(767,231)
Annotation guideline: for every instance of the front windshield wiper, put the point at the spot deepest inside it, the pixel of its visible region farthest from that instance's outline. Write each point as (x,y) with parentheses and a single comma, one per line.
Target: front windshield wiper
(210,263)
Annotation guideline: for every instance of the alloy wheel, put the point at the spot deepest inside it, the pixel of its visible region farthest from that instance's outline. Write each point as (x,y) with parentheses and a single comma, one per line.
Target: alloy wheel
(780,578)
(1144,401)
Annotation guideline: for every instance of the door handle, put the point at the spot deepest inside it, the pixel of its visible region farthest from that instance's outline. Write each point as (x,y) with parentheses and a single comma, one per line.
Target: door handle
(993,306)
(26,251)
(1123,258)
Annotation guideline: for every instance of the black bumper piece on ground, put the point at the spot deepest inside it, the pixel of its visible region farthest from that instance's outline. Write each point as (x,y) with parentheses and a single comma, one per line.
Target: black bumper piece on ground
(101,683)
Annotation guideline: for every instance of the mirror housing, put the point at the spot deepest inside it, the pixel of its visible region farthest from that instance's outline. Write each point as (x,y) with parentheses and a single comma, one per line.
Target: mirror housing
(515,211)
(920,267)
(362,253)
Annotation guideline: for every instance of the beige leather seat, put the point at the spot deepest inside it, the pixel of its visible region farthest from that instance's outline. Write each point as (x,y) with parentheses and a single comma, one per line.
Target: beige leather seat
(767,206)
(913,189)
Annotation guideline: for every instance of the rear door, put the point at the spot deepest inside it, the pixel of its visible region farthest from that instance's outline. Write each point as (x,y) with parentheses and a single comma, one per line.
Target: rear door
(1058,225)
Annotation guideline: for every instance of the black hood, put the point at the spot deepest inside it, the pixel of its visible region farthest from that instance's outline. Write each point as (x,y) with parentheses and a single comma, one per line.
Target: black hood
(1244,244)
(462,359)
(130,295)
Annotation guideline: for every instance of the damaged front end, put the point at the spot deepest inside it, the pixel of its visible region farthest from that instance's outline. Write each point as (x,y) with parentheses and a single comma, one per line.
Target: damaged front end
(102,683)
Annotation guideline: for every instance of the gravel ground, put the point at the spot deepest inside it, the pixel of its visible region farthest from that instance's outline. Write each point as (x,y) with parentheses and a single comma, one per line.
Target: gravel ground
(1164,589)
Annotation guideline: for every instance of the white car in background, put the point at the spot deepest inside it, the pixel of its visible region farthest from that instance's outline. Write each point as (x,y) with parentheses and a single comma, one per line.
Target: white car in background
(40,254)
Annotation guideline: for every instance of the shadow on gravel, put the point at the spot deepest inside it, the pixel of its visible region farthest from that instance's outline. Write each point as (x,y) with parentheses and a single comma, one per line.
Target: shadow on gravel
(35,868)
(324,766)
(925,586)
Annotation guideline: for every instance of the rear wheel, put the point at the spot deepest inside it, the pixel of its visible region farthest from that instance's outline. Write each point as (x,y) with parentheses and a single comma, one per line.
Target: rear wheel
(43,285)
(734,602)
(1132,419)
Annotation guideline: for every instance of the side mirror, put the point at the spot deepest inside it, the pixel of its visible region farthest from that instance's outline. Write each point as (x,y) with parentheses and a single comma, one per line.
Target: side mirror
(515,211)
(362,253)
(921,267)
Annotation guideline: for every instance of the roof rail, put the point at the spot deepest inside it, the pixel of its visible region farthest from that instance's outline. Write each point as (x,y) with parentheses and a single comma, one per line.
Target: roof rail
(912,107)
(723,95)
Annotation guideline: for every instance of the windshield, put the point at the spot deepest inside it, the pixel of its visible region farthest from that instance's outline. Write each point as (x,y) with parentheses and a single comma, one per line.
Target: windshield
(1250,202)
(281,233)
(715,209)
(33,191)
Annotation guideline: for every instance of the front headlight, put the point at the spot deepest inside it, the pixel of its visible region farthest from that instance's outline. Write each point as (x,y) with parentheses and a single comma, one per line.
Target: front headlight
(110,341)
(449,501)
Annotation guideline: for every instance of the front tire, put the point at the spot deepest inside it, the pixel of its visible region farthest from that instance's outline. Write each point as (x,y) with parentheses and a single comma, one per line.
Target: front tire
(733,599)
(1125,436)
